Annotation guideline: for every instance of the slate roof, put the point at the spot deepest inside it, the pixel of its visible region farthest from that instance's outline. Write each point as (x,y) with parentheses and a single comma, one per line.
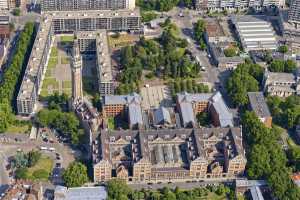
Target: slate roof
(258,104)
(162,115)
(80,193)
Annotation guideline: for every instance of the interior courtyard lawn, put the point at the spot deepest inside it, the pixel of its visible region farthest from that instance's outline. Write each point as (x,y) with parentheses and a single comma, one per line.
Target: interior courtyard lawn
(67,38)
(18,129)
(65,60)
(41,170)
(54,52)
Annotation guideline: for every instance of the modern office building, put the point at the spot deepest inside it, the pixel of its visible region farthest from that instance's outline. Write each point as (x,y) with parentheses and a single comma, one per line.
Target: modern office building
(70,22)
(76,5)
(177,155)
(255,33)
(236,4)
(259,106)
(189,105)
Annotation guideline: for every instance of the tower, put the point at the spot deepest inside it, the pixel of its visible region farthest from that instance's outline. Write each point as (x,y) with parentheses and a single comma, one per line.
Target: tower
(76,66)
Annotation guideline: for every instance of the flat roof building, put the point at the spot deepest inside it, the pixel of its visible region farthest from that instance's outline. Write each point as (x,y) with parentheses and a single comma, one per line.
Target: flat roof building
(294,13)
(255,33)
(76,5)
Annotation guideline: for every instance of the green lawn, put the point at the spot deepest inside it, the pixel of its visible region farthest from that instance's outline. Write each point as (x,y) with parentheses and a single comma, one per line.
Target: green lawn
(50,81)
(67,91)
(54,52)
(18,129)
(45,164)
(65,60)
(111,123)
(48,73)
(67,38)
(66,84)
(52,62)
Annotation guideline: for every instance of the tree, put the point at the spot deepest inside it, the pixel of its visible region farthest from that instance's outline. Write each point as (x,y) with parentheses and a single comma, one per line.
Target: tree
(16,12)
(277,66)
(33,157)
(283,49)
(21,173)
(290,66)
(204,118)
(230,52)
(75,175)
(20,160)
(117,188)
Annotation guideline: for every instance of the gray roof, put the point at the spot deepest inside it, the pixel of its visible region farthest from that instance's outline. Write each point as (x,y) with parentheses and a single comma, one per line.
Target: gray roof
(162,115)
(120,99)
(80,193)
(185,101)
(225,117)
(135,111)
(258,104)
(256,193)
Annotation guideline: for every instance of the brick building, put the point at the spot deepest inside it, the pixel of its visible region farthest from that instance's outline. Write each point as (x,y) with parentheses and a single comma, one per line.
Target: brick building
(169,155)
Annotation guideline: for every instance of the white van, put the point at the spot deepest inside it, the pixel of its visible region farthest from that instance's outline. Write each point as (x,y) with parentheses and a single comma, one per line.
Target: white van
(43,148)
(51,149)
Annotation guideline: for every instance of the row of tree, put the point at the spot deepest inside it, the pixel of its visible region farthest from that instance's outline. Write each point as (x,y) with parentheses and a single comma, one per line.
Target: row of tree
(199,30)
(187,85)
(13,75)
(266,159)
(245,78)
(159,5)
(118,190)
(287,66)
(285,112)
(65,123)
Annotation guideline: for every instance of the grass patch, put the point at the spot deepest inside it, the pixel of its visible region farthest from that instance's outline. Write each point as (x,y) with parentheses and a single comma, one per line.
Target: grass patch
(214,196)
(54,52)
(66,84)
(50,81)
(52,62)
(67,38)
(18,129)
(111,123)
(41,170)
(48,73)
(67,91)
(122,40)
(65,60)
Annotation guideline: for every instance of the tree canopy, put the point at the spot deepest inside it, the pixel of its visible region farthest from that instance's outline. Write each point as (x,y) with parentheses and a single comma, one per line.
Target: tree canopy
(287,66)
(266,159)
(12,75)
(245,78)
(159,5)
(75,175)
(199,30)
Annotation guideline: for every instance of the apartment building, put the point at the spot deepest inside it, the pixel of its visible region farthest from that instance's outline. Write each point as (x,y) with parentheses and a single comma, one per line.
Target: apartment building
(96,41)
(236,4)
(259,106)
(76,5)
(294,12)
(128,106)
(189,105)
(177,155)
(58,22)
(281,84)
(255,33)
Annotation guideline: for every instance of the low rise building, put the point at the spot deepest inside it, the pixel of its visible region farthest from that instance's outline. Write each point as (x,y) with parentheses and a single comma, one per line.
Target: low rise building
(189,105)
(219,58)
(255,32)
(281,84)
(259,106)
(26,190)
(177,155)
(124,105)
(80,193)
(217,30)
